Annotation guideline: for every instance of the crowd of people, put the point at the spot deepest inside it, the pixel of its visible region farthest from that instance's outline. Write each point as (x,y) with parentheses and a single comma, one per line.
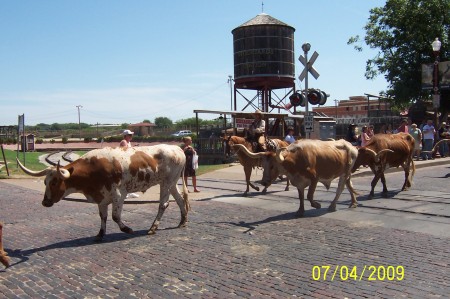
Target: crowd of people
(425,136)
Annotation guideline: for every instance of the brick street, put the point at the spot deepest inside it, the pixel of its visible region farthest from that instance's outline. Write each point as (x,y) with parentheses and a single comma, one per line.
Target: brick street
(226,251)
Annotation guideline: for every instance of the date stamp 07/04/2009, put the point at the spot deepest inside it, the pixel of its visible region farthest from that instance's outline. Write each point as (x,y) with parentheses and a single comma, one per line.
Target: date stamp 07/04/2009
(366,272)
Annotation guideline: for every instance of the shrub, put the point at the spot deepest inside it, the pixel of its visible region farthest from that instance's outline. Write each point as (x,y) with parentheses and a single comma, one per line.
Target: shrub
(87,139)
(52,141)
(65,140)
(39,141)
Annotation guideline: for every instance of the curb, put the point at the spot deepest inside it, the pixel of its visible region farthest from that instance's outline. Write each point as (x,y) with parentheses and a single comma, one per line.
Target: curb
(421,164)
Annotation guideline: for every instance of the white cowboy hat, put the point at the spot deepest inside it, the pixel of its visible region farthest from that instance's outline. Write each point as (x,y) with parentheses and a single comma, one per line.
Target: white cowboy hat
(127,132)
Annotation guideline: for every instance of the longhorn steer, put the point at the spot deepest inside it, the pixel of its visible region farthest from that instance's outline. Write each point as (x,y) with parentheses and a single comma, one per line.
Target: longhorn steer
(384,151)
(107,175)
(249,164)
(307,162)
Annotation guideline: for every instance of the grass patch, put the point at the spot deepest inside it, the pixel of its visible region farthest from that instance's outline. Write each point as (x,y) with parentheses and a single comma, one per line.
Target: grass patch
(202,169)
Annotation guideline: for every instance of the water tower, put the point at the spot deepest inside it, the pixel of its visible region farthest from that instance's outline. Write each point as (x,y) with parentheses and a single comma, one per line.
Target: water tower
(264,62)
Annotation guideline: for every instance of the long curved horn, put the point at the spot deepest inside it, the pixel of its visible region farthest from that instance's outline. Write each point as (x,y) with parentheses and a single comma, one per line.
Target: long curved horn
(438,143)
(247,152)
(63,174)
(32,172)
(279,156)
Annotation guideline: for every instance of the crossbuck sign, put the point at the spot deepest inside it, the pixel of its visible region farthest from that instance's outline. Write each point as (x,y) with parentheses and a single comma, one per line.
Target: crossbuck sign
(308,66)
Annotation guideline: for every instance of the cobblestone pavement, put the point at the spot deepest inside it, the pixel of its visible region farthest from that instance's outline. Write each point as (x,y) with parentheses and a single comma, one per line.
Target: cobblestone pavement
(226,251)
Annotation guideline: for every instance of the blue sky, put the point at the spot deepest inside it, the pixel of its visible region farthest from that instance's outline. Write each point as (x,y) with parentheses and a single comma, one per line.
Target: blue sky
(126,61)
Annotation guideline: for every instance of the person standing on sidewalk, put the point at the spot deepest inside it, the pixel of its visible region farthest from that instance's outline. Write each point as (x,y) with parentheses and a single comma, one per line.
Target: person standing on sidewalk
(189,170)
(415,132)
(428,133)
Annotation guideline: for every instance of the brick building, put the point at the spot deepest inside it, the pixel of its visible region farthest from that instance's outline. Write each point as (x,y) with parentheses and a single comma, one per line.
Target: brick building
(356,107)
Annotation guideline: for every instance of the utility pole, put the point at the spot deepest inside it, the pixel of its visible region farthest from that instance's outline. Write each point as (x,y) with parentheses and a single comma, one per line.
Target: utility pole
(336,102)
(79,120)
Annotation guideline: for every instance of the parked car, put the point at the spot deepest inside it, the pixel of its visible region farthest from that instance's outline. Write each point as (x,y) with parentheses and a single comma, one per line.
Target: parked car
(182,133)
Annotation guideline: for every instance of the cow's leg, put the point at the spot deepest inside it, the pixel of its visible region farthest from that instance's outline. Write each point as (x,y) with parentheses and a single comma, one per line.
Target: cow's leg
(183,204)
(248,173)
(103,212)
(117,206)
(383,181)
(163,204)
(340,188)
(301,197)
(3,254)
(374,183)
(310,196)
(406,168)
(352,191)
(287,185)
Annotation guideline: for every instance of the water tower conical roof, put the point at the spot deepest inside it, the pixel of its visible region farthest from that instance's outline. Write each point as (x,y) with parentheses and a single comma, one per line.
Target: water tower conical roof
(263,19)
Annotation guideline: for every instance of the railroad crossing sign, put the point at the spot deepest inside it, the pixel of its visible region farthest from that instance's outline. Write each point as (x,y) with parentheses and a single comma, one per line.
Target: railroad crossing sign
(308,66)
(308,122)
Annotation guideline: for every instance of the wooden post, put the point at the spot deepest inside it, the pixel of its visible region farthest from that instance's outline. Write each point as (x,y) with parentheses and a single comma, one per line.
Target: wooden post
(4,159)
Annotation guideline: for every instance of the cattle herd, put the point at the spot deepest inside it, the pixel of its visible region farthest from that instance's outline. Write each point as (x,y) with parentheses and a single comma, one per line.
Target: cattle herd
(105,176)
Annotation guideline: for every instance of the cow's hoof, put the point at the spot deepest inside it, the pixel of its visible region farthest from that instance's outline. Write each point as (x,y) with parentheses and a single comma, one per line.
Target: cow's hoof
(245,194)
(353,205)
(98,238)
(286,189)
(316,205)
(127,230)
(264,191)
(300,214)
(183,222)
(257,188)
(332,208)
(151,232)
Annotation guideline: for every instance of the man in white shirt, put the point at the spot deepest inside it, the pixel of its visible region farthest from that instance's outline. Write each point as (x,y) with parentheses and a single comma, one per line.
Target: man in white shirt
(428,133)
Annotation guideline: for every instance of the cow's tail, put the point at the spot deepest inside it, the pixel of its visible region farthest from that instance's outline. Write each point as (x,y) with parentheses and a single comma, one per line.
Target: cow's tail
(185,191)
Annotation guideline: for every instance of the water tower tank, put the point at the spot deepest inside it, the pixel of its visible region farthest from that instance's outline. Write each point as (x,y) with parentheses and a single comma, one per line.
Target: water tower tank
(264,54)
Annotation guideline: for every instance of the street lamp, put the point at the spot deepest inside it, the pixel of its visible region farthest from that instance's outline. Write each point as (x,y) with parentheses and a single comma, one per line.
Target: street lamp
(230,80)
(436,45)
(79,120)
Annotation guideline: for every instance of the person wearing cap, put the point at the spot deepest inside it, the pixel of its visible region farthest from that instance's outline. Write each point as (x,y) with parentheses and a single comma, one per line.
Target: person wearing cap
(415,132)
(189,170)
(290,135)
(127,136)
(125,144)
(258,129)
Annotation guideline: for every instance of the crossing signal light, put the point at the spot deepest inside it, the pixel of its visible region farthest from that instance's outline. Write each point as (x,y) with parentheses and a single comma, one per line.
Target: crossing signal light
(317,97)
(297,99)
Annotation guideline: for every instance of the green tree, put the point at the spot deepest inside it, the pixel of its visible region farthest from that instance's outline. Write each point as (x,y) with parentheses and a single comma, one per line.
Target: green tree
(402,31)
(147,121)
(163,122)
